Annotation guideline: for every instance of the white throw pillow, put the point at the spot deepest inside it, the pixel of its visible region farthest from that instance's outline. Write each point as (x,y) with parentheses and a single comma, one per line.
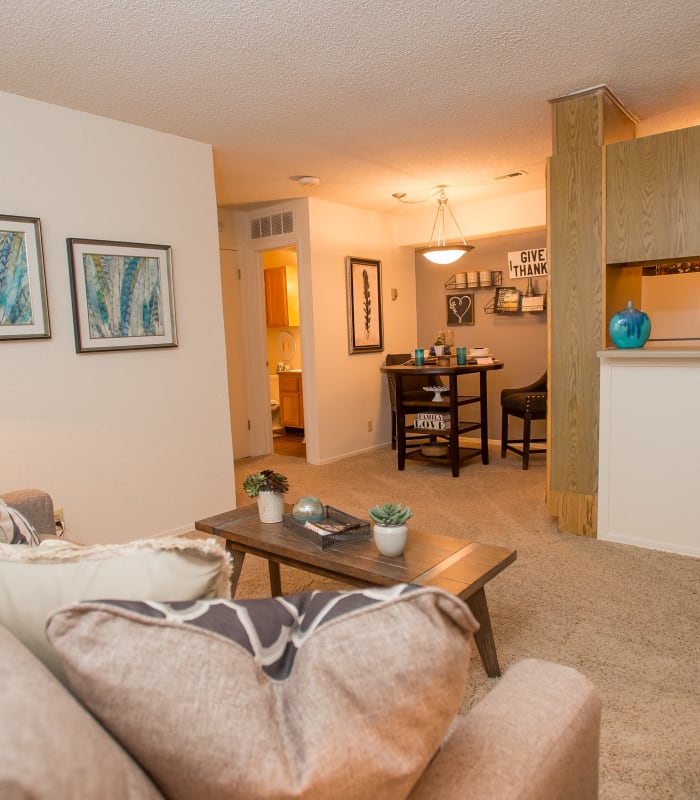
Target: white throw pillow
(34,581)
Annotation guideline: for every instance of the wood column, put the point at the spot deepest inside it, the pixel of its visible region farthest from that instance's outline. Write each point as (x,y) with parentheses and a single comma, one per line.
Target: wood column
(582,124)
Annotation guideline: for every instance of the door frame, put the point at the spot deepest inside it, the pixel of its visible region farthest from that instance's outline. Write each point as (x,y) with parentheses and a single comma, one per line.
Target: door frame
(254,345)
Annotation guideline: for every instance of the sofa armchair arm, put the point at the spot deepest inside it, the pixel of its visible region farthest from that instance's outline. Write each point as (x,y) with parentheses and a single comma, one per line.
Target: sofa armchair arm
(36,506)
(534,737)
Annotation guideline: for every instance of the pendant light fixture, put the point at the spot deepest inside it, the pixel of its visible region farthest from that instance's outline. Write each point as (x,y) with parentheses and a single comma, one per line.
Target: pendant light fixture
(438,251)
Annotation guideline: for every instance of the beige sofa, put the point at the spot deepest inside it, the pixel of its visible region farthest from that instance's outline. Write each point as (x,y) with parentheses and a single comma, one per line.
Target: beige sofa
(536,735)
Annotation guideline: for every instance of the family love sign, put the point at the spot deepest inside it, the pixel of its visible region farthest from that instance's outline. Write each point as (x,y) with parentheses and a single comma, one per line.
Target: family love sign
(527,263)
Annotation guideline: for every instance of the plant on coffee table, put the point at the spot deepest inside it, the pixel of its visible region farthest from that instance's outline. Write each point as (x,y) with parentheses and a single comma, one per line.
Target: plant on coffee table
(266,480)
(390,529)
(269,487)
(390,514)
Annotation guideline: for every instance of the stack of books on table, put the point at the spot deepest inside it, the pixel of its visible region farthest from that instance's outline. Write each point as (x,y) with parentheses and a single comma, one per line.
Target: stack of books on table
(432,420)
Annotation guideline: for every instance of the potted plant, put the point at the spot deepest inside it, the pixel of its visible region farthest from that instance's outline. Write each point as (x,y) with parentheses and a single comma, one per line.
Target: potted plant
(269,487)
(390,530)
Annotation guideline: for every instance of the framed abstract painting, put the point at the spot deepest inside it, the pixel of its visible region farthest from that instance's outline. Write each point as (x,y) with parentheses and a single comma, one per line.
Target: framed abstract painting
(364,301)
(24,311)
(122,295)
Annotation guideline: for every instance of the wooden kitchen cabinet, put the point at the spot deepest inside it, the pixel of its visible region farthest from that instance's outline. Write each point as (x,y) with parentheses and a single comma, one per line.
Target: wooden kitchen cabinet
(281,297)
(653,200)
(291,400)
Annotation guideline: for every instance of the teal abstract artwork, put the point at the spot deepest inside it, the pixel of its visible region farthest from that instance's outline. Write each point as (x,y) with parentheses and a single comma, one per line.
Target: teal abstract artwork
(124,296)
(15,294)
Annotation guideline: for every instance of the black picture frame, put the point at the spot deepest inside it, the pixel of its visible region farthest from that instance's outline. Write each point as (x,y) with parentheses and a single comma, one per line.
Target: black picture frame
(507,300)
(460,308)
(24,308)
(123,296)
(364,305)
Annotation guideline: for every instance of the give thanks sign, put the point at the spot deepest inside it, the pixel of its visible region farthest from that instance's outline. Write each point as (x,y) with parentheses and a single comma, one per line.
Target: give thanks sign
(527,263)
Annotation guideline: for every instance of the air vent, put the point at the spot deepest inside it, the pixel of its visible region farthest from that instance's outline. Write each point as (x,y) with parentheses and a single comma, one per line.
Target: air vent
(510,175)
(272,225)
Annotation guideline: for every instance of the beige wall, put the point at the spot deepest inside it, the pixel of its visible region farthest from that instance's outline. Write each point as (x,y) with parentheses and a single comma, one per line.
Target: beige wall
(129,443)
(351,389)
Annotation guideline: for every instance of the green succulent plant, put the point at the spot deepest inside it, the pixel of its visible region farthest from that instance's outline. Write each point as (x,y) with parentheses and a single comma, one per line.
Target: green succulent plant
(266,480)
(390,514)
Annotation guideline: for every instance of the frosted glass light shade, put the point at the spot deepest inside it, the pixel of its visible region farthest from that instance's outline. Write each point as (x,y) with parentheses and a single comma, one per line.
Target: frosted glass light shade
(445,254)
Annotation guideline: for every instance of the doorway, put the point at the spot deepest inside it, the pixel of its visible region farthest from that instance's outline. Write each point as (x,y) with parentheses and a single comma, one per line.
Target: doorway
(283,350)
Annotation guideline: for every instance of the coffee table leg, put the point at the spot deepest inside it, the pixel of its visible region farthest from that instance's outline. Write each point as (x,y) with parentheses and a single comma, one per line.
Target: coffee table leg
(275,579)
(237,558)
(484,636)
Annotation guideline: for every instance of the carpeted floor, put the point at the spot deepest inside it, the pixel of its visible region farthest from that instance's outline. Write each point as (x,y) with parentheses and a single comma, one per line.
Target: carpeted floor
(626,617)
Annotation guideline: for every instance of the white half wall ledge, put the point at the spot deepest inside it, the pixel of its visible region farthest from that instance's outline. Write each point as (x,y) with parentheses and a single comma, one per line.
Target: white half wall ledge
(648,443)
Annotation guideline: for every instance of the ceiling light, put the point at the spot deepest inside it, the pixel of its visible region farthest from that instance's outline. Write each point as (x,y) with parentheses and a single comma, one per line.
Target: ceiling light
(306,180)
(440,252)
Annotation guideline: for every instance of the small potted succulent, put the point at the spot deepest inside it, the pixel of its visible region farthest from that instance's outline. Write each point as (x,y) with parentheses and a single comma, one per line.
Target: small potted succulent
(269,487)
(390,530)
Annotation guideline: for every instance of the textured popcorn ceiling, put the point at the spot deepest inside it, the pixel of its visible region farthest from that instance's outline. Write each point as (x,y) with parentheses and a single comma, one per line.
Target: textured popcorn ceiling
(374,97)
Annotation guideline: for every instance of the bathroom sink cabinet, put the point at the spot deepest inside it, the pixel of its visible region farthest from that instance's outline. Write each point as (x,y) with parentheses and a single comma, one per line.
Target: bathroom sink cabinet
(291,400)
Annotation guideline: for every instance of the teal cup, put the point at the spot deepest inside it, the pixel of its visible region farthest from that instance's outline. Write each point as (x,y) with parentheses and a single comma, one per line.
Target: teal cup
(419,357)
(461,356)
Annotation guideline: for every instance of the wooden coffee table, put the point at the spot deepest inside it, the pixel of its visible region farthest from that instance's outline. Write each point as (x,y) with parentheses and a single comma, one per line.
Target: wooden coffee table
(431,559)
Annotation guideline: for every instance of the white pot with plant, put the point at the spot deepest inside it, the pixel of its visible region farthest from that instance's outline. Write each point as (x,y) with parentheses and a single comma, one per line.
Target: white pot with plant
(390,530)
(269,487)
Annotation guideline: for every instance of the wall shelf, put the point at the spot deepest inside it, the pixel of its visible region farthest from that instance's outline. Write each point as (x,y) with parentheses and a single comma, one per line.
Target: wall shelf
(476,280)
(492,307)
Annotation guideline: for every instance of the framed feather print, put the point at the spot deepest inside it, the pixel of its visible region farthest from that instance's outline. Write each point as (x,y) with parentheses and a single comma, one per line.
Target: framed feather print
(122,295)
(364,299)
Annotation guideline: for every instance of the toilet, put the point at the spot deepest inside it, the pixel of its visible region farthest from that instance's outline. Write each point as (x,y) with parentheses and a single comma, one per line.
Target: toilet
(275,403)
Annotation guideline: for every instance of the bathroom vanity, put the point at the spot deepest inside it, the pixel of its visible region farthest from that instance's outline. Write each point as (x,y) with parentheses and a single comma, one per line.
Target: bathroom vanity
(291,399)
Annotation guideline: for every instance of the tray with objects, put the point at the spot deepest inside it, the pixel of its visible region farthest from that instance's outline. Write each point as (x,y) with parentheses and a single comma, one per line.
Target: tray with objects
(336,527)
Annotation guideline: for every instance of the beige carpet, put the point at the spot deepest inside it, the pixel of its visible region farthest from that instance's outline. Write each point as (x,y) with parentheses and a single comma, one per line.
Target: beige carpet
(626,617)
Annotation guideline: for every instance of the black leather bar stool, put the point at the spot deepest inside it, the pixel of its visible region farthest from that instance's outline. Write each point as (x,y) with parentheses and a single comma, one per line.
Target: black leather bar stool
(526,403)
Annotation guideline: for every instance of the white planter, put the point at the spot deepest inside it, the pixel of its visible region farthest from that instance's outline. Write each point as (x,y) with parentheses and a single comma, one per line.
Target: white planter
(390,540)
(270,506)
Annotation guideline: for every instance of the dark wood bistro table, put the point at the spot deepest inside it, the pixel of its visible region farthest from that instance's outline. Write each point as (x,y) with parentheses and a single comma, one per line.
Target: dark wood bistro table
(409,438)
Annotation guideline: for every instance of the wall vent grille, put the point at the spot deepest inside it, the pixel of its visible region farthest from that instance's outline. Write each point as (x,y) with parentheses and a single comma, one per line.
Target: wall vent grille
(272,225)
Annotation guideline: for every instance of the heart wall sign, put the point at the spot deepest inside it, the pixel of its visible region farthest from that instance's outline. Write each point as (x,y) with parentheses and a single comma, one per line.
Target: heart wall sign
(460,309)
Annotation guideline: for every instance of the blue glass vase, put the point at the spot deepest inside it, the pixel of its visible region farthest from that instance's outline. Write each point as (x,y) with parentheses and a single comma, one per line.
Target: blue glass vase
(630,327)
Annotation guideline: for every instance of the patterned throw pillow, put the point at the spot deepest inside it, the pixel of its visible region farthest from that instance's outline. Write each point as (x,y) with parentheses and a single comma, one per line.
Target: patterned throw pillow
(15,528)
(343,695)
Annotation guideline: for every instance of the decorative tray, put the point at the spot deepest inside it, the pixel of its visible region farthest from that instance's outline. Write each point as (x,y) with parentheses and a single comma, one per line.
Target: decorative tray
(336,527)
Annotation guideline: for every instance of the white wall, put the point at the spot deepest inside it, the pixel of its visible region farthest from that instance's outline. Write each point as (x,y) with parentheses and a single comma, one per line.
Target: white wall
(129,443)
(351,391)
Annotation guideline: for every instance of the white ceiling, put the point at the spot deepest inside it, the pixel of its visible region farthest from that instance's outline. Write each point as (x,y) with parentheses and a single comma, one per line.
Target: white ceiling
(373,97)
